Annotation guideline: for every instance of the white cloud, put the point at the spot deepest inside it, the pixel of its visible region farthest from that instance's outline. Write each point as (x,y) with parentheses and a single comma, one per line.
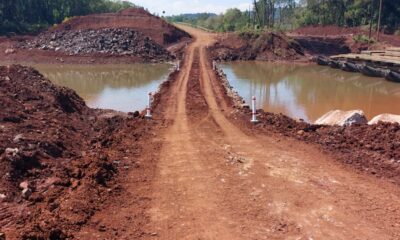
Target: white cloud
(173,7)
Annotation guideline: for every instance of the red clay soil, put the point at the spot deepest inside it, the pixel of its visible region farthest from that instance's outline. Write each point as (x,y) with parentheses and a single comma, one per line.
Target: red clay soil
(264,47)
(371,149)
(335,31)
(94,172)
(325,46)
(67,154)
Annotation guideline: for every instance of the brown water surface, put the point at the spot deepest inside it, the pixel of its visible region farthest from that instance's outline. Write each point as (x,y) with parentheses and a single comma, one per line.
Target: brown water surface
(309,91)
(119,87)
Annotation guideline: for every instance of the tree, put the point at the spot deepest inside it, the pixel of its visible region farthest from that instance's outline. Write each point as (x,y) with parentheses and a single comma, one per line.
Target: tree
(23,16)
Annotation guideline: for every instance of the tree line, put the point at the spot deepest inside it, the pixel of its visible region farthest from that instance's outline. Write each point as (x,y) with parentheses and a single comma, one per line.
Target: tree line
(290,14)
(24,16)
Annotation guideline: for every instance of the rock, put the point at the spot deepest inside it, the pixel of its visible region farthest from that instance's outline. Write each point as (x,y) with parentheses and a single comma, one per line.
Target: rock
(301,132)
(342,118)
(75,184)
(2,236)
(389,118)
(24,185)
(26,193)
(245,106)
(11,152)
(2,196)
(7,78)
(9,51)
(115,41)
(18,138)
(102,228)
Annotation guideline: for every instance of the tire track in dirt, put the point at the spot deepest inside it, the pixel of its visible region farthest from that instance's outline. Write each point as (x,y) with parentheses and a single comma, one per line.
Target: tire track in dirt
(185,199)
(216,180)
(287,190)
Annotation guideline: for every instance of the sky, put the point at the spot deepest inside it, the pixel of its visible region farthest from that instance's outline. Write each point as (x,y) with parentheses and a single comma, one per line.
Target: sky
(174,7)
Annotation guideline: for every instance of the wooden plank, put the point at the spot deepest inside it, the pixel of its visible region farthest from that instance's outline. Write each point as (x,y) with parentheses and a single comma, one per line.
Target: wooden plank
(394,49)
(365,57)
(372,52)
(392,54)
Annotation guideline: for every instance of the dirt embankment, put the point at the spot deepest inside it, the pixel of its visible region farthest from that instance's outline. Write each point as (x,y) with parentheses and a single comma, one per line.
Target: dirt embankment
(323,46)
(132,35)
(58,158)
(331,40)
(264,47)
(300,44)
(138,19)
(373,149)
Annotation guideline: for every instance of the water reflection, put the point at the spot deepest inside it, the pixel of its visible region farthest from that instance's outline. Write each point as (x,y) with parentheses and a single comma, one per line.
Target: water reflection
(118,87)
(310,91)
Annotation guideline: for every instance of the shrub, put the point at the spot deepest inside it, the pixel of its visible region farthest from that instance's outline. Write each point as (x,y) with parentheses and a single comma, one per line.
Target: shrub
(361,38)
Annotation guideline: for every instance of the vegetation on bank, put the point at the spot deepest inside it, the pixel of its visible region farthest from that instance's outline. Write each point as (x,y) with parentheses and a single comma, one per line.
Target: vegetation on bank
(290,14)
(27,16)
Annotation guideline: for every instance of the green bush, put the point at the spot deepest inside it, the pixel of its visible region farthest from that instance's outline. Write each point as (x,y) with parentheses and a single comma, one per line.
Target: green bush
(361,38)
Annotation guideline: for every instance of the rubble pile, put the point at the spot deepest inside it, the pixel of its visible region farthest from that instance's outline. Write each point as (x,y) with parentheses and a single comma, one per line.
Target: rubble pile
(111,41)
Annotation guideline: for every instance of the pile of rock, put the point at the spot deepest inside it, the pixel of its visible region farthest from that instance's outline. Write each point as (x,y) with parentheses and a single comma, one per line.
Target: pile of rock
(342,118)
(347,118)
(112,41)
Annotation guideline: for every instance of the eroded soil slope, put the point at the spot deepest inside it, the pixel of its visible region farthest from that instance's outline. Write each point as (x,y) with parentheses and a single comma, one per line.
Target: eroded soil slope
(58,158)
(332,40)
(265,47)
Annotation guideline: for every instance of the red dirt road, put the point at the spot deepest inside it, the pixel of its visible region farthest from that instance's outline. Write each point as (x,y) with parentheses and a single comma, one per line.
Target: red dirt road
(215,180)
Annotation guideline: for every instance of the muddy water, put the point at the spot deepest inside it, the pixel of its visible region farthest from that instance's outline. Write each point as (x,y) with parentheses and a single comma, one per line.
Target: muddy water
(119,87)
(309,91)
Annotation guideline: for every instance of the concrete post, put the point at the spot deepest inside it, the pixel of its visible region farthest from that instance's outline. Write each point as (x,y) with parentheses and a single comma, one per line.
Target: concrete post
(254,111)
(148,109)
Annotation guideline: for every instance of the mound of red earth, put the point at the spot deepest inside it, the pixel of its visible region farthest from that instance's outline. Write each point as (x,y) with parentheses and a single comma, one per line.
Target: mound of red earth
(132,35)
(323,45)
(250,46)
(137,19)
(120,41)
(58,158)
(339,37)
(374,149)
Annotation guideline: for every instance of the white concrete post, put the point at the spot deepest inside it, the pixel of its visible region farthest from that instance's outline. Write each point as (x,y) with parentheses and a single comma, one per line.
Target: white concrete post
(254,111)
(214,65)
(148,109)
(178,66)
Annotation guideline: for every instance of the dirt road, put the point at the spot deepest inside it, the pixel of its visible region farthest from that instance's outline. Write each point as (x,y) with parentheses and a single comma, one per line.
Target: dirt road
(215,180)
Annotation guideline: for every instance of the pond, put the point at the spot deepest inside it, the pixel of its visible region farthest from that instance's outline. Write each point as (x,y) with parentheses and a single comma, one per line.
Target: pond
(119,87)
(309,91)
